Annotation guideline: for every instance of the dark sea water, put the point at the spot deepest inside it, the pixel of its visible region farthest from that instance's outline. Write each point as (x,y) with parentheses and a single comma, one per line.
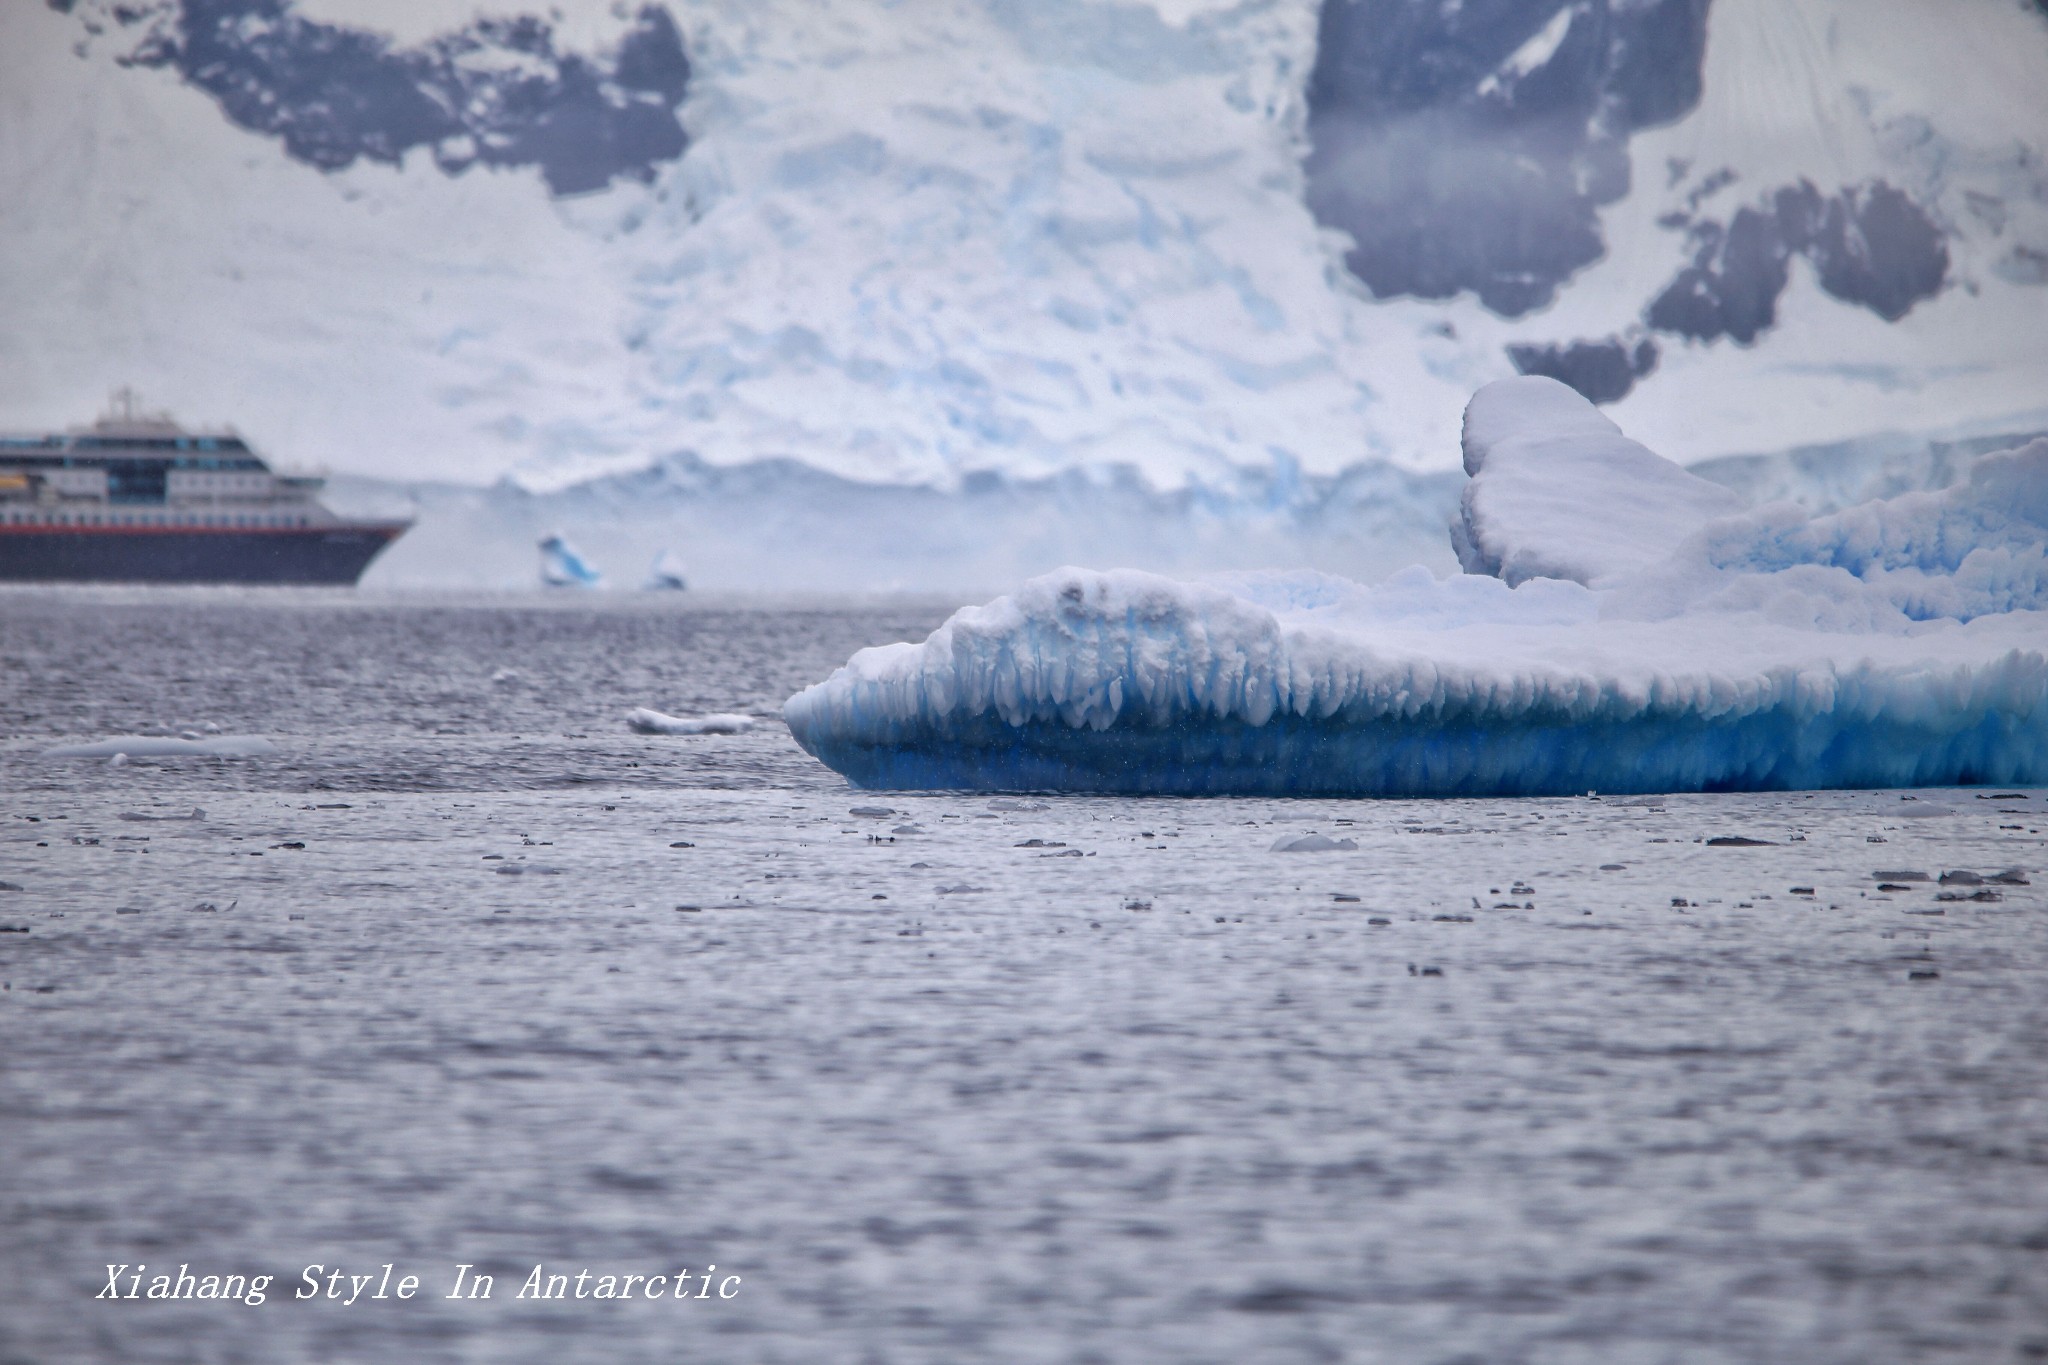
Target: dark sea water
(467,974)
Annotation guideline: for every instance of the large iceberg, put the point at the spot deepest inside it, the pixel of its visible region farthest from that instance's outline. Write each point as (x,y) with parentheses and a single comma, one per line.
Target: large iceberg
(1623,626)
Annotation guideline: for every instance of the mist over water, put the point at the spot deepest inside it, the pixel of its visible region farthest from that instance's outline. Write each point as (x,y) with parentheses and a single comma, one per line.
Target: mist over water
(467,973)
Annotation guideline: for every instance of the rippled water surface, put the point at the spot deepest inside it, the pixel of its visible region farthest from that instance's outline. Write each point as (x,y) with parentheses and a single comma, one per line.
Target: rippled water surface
(469,974)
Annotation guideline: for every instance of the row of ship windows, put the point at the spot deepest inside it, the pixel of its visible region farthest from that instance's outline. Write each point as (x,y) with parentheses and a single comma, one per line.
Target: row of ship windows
(119,519)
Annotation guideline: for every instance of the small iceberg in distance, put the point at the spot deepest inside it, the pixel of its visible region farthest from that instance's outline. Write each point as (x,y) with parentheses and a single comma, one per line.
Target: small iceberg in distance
(643,721)
(666,574)
(1623,626)
(561,566)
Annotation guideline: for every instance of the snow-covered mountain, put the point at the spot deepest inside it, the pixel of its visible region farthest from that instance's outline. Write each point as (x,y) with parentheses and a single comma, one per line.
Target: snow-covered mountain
(1189,246)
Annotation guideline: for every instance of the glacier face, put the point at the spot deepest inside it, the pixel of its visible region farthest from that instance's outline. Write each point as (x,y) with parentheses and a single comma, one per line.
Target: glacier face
(918,243)
(1894,644)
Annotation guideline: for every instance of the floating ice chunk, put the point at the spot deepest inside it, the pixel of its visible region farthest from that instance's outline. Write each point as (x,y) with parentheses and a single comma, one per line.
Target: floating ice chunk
(562,567)
(666,574)
(1314,843)
(166,746)
(1643,634)
(196,813)
(647,722)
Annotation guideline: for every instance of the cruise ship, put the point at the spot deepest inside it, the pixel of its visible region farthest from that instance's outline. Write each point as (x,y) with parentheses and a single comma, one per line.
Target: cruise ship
(136,498)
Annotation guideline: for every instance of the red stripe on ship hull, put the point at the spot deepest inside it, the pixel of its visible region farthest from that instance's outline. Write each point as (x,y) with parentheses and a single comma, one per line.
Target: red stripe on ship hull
(47,529)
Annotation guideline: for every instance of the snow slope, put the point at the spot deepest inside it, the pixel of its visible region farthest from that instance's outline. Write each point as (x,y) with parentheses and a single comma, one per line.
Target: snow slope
(1893,644)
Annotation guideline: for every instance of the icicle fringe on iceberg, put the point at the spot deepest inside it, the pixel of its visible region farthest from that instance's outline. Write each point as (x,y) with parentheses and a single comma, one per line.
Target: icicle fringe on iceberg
(1629,628)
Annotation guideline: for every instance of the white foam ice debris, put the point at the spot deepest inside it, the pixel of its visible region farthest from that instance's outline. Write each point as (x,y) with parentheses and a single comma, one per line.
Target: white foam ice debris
(1635,632)
(166,746)
(562,566)
(646,722)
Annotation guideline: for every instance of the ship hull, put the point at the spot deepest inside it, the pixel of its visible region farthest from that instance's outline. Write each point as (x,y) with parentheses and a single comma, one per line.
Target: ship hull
(313,554)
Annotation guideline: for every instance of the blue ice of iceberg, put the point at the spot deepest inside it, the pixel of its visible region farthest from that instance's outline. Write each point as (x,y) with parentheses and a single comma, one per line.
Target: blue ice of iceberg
(561,566)
(1623,626)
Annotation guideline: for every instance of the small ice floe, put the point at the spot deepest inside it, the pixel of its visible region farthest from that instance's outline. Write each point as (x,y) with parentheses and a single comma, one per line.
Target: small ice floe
(871,812)
(1004,803)
(527,870)
(135,815)
(1314,843)
(666,574)
(961,890)
(507,677)
(1737,841)
(561,566)
(646,722)
(167,746)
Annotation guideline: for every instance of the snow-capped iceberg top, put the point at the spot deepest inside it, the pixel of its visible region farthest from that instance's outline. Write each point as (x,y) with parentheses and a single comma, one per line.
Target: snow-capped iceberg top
(1975,549)
(1638,634)
(1558,492)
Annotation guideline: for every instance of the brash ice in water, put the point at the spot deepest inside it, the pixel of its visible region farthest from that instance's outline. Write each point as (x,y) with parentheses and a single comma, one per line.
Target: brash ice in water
(1622,626)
